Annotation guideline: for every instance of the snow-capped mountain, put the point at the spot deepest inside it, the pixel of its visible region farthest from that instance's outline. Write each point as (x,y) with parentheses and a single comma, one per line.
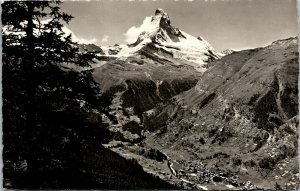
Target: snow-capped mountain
(162,39)
(227,52)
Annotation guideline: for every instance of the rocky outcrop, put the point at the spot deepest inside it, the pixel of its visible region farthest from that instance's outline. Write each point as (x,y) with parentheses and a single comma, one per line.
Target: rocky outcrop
(90,48)
(114,49)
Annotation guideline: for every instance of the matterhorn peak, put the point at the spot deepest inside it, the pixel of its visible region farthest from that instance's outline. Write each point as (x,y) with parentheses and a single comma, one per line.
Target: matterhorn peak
(159,11)
(157,31)
(161,18)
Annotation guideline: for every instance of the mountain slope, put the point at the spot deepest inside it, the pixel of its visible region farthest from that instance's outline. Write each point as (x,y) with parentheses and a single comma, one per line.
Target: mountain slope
(236,108)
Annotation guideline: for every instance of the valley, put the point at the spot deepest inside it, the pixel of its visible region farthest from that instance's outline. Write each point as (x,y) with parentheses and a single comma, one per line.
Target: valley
(214,128)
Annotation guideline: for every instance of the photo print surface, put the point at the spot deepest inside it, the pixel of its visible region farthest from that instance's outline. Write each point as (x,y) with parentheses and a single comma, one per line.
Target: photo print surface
(157,94)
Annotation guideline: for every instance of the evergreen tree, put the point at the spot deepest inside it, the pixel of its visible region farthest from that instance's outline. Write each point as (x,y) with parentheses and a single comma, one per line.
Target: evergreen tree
(52,126)
(44,107)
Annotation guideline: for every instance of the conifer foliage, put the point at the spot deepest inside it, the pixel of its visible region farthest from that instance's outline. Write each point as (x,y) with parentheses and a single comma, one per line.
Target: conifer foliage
(36,91)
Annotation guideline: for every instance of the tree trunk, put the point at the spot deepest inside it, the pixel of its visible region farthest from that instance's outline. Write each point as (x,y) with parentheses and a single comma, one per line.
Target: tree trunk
(30,25)
(30,73)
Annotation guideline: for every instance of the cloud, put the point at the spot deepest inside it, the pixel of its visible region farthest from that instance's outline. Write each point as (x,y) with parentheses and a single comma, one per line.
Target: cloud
(104,38)
(78,39)
(133,32)
(83,40)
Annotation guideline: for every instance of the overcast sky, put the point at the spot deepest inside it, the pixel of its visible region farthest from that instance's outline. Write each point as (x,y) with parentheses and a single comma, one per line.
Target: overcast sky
(236,24)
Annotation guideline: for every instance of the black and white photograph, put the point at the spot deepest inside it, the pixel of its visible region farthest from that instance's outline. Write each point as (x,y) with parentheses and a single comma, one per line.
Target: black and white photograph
(150,95)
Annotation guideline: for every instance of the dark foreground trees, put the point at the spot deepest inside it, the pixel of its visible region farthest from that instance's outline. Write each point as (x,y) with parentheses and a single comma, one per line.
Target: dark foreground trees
(52,127)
